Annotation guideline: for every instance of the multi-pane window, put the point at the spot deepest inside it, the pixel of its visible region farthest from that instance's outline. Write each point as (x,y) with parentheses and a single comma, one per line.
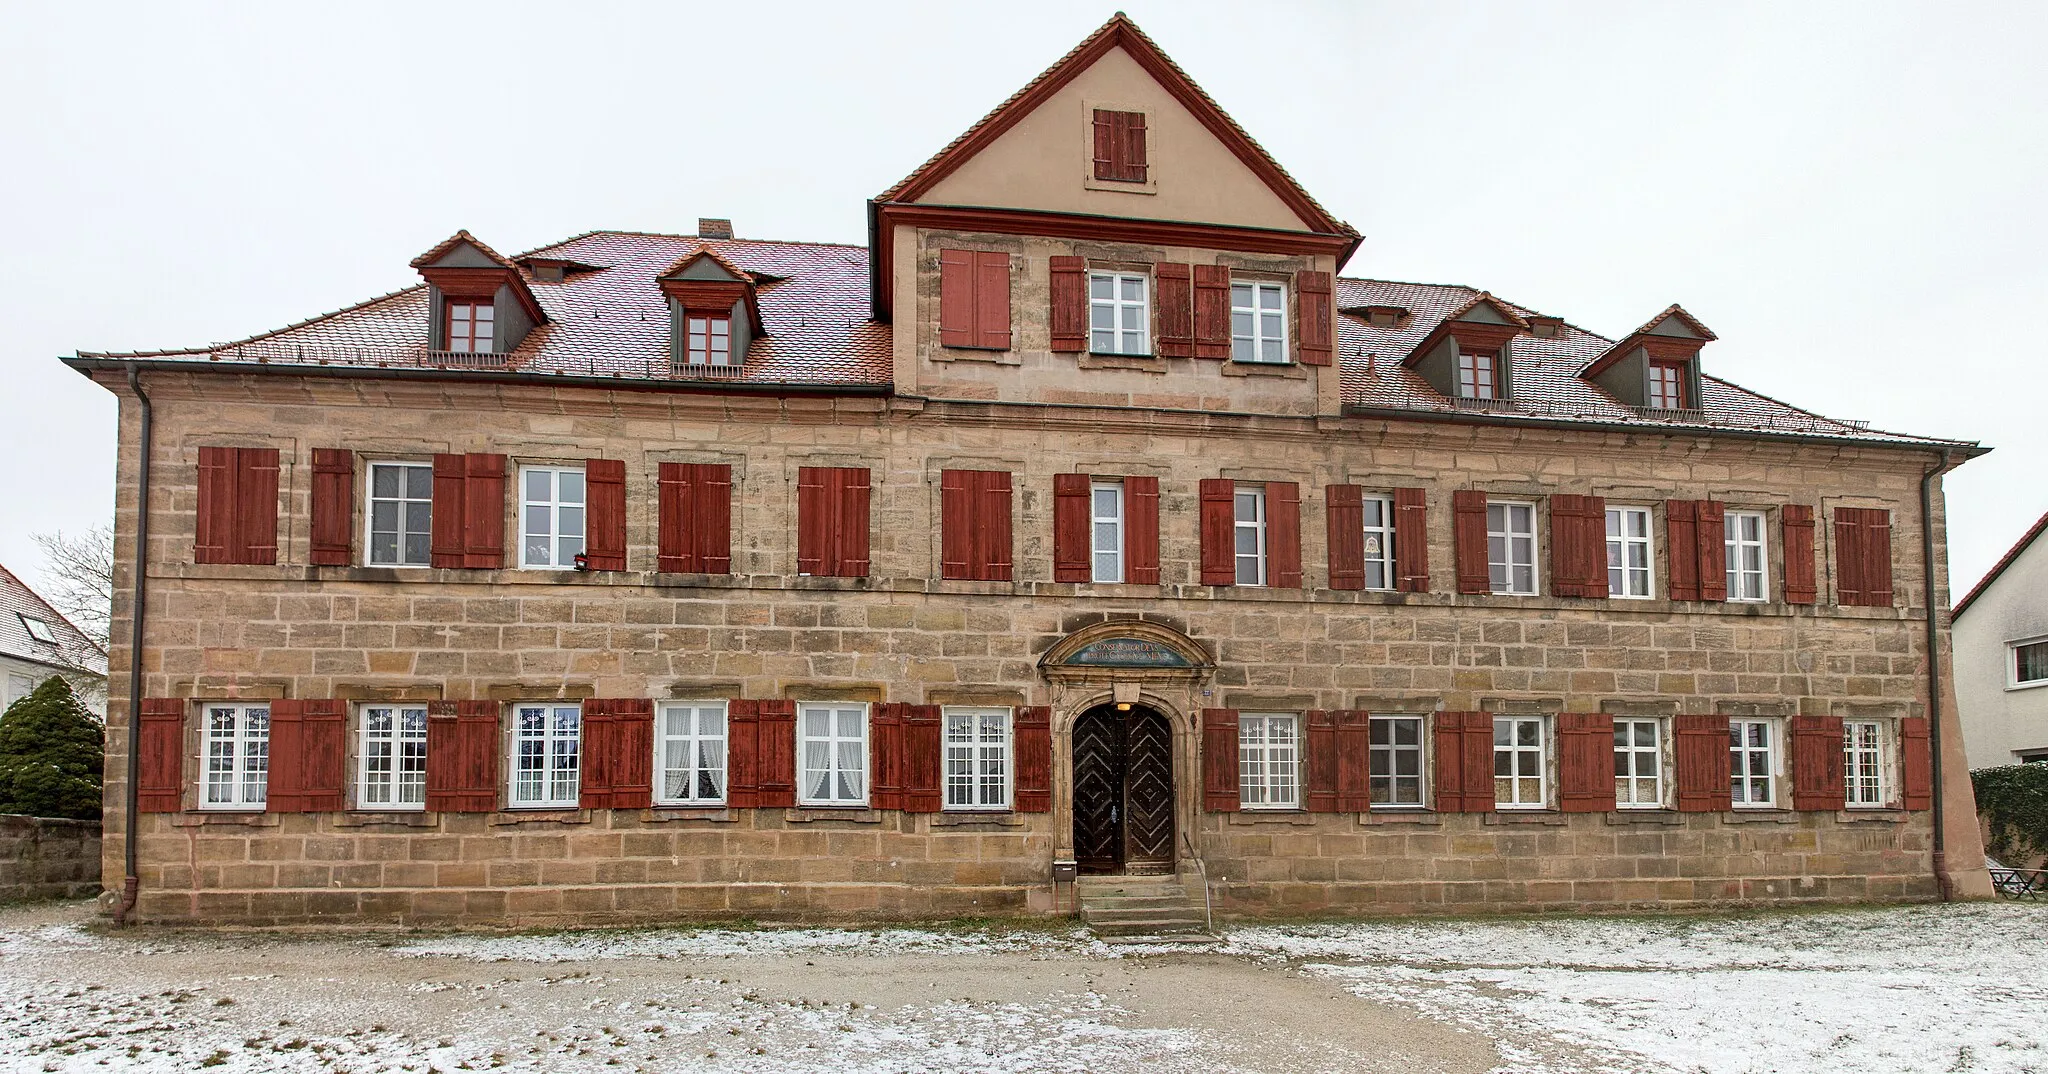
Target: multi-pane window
(1752,762)
(2030,663)
(38,629)
(1628,552)
(392,770)
(977,758)
(1638,764)
(401,515)
(707,339)
(1519,776)
(1379,542)
(471,326)
(1258,321)
(1249,536)
(832,740)
(1511,547)
(237,756)
(1106,531)
(1117,314)
(551,516)
(1744,539)
(691,753)
(1477,375)
(546,754)
(1269,760)
(1863,764)
(1667,385)
(1394,745)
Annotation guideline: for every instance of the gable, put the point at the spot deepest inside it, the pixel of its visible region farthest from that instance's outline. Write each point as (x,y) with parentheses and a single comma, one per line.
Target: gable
(465,255)
(1672,326)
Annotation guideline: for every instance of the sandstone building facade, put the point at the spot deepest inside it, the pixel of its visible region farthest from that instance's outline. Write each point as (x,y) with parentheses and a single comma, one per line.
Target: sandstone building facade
(1086,516)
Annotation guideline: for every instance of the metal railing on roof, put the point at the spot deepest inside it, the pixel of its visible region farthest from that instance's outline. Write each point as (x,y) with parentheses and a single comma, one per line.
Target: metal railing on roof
(658,367)
(1543,408)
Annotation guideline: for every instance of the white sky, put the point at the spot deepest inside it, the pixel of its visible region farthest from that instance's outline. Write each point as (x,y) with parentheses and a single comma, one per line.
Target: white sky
(1850,194)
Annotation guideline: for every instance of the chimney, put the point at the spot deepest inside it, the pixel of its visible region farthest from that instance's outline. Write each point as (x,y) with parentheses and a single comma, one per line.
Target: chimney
(1545,327)
(711,227)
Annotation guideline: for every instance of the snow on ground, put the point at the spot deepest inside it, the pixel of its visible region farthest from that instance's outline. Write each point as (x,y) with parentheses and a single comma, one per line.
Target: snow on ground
(710,943)
(1933,988)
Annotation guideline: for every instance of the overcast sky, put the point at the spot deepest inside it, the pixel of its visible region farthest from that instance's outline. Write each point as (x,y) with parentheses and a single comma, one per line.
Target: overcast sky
(1850,196)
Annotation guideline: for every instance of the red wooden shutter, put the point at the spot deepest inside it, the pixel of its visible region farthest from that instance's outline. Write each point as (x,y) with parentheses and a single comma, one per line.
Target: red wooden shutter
(850,534)
(696,518)
(923,759)
(1354,761)
(1283,535)
(1464,762)
(832,521)
(1319,762)
(1344,514)
(675,552)
(1119,146)
(1585,762)
(1593,546)
(160,739)
(1219,761)
(956,299)
(255,506)
(956,522)
(1313,319)
(775,755)
(1069,315)
(334,473)
(742,753)
(1916,763)
(1411,540)
(987,524)
(604,533)
(1566,532)
(1106,152)
(1070,527)
(1219,529)
(483,502)
(1681,549)
(1141,530)
(462,756)
(885,737)
(451,483)
(1032,739)
(1468,527)
(595,755)
(1176,300)
(1801,584)
(1863,556)
(214,526)
(308,756)
(1713,536)
(1212,311)
(992,300)
(1700,745)
(617,754)
(1817,777)
(711,522)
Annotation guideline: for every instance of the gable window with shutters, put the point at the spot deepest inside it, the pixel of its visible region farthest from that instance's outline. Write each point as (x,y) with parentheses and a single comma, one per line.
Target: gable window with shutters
(1379,541)
(690,753)
(1394,744)
(237,753)
(1638,764)
(547,743)
(400,518)
(471,327)
(1119,149)
(707,339)
(1106,531)
(1249,536)
(391,766)
(1478,374)
(977,759)
(1748,558)
(1119,314)
(1866,763)
(1753,763)
(832,746)
(1269,760)
(1511,547)
(2028,663)
(1521,769)
(1258,322)
(1628,553)
(551,503)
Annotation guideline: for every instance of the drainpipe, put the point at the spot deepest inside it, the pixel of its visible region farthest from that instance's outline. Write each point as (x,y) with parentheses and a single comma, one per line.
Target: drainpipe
(131,880)
(1941,878)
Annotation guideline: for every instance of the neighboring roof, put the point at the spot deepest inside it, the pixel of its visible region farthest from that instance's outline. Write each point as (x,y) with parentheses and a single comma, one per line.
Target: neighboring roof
(72,648)
(1998,568)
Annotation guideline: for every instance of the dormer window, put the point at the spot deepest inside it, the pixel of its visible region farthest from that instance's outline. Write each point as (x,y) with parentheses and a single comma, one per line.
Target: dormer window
(1478,374)
(471,326)
(1258,322)
(708,340)
(1667,386)
(478,302)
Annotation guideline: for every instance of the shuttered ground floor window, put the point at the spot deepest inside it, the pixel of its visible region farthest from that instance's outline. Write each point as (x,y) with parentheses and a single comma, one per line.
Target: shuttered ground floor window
(1753,762)
(833,744)
(1395,745)
(1520,777)
(691,753)
(393,757)
(237,756)
(1638,764)
(1864,764)
(977,758)
(546,755)
(1269,760)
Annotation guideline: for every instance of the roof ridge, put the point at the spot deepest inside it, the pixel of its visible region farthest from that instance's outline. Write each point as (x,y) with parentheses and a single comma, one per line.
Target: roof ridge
(678,235)
(2011,554)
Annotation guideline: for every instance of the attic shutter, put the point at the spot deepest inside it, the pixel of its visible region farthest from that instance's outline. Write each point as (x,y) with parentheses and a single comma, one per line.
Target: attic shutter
(1141,530)
(308,756)
(742,753)
(334,471)
(159,736)
(1916,763)
(775,755)
(1464,762)
(618,753)
(1219,761)
(1411,540)
(462,756)
(1283,534)
(1801,585)
(1863,554)
(1681,549)
(1344,514)
(1069,315)
(1032,735)
(1313,319)
(1354,761)
(1070,526)
(237,510)
(885,737)
(1219,528)
(1817,777)
(604,540)
(1585,762)
(1319,762)
(1468,528)
(1713,549)
(695,528)
(923,759)
(1700,748)
(1176,304)
(1212,311)
(1119,146)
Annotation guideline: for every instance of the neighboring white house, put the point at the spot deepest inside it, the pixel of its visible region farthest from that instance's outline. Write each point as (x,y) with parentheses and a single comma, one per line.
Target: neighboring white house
(36,642)
(2001,657)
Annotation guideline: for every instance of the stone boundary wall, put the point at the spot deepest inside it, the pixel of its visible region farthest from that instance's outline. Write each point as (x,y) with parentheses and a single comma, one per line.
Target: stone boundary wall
(45,858)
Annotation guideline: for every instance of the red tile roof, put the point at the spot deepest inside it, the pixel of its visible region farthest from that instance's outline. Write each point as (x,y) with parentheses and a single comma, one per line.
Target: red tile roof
(1998,568)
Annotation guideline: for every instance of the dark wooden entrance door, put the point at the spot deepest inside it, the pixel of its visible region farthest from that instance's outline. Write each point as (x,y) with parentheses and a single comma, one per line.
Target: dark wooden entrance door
(1123,791)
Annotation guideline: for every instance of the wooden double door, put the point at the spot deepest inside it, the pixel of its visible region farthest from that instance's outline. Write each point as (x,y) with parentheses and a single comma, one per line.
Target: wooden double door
(1123,791)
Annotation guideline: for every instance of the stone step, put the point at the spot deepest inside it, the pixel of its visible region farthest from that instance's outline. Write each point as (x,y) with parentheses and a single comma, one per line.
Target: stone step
(1181,910)
(1144,889)
(1129,902)
(1166,941)
(1155,926)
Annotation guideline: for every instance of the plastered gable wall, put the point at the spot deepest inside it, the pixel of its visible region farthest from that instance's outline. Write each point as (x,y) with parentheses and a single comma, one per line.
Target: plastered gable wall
(1997,720)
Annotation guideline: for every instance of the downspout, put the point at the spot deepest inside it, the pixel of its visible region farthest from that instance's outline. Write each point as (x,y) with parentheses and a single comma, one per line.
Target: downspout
(1941,878)
(131,879)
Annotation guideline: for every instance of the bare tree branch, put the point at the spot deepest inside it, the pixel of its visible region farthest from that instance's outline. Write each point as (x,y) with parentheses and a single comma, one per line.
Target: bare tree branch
(78,580)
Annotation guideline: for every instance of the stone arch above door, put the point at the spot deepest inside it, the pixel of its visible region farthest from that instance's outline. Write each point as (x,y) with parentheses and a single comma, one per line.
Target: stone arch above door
(1127,650)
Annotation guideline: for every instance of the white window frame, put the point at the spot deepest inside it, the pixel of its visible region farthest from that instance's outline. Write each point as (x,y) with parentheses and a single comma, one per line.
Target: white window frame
(402,751)
(1619,543)
(559,773)
(1516,749)
(1114,549)
(371,500)
(1741,764)
(1256,526)
(1121,311)
(973,755)
(2012,665)
(1383,535)
(702,747)
(555,506)
(1734,542)
(1628,757)
(1268,762)
(1255,343)
(247,755)
(1390,753)
(1866,764)
(1506,536)
(834,756)
(1473,386)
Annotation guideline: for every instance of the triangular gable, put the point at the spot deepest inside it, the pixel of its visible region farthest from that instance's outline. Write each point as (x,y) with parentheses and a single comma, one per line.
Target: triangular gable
(704,263)
(462,250)
(1483,317)
(1675,322)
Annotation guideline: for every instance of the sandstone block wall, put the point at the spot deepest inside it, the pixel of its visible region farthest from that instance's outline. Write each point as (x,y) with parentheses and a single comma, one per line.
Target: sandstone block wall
(46,858)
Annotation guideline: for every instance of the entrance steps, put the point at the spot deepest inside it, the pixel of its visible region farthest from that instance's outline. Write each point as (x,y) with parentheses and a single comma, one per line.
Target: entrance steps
(1143,910)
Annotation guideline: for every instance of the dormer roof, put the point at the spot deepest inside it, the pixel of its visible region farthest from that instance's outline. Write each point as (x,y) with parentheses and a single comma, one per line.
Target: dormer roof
(680,269)
(462,264)
(706,280)
(1672,333)
(1482,321)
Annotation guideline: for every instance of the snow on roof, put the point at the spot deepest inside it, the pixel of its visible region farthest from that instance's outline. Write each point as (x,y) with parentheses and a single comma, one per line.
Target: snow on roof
(32,630)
